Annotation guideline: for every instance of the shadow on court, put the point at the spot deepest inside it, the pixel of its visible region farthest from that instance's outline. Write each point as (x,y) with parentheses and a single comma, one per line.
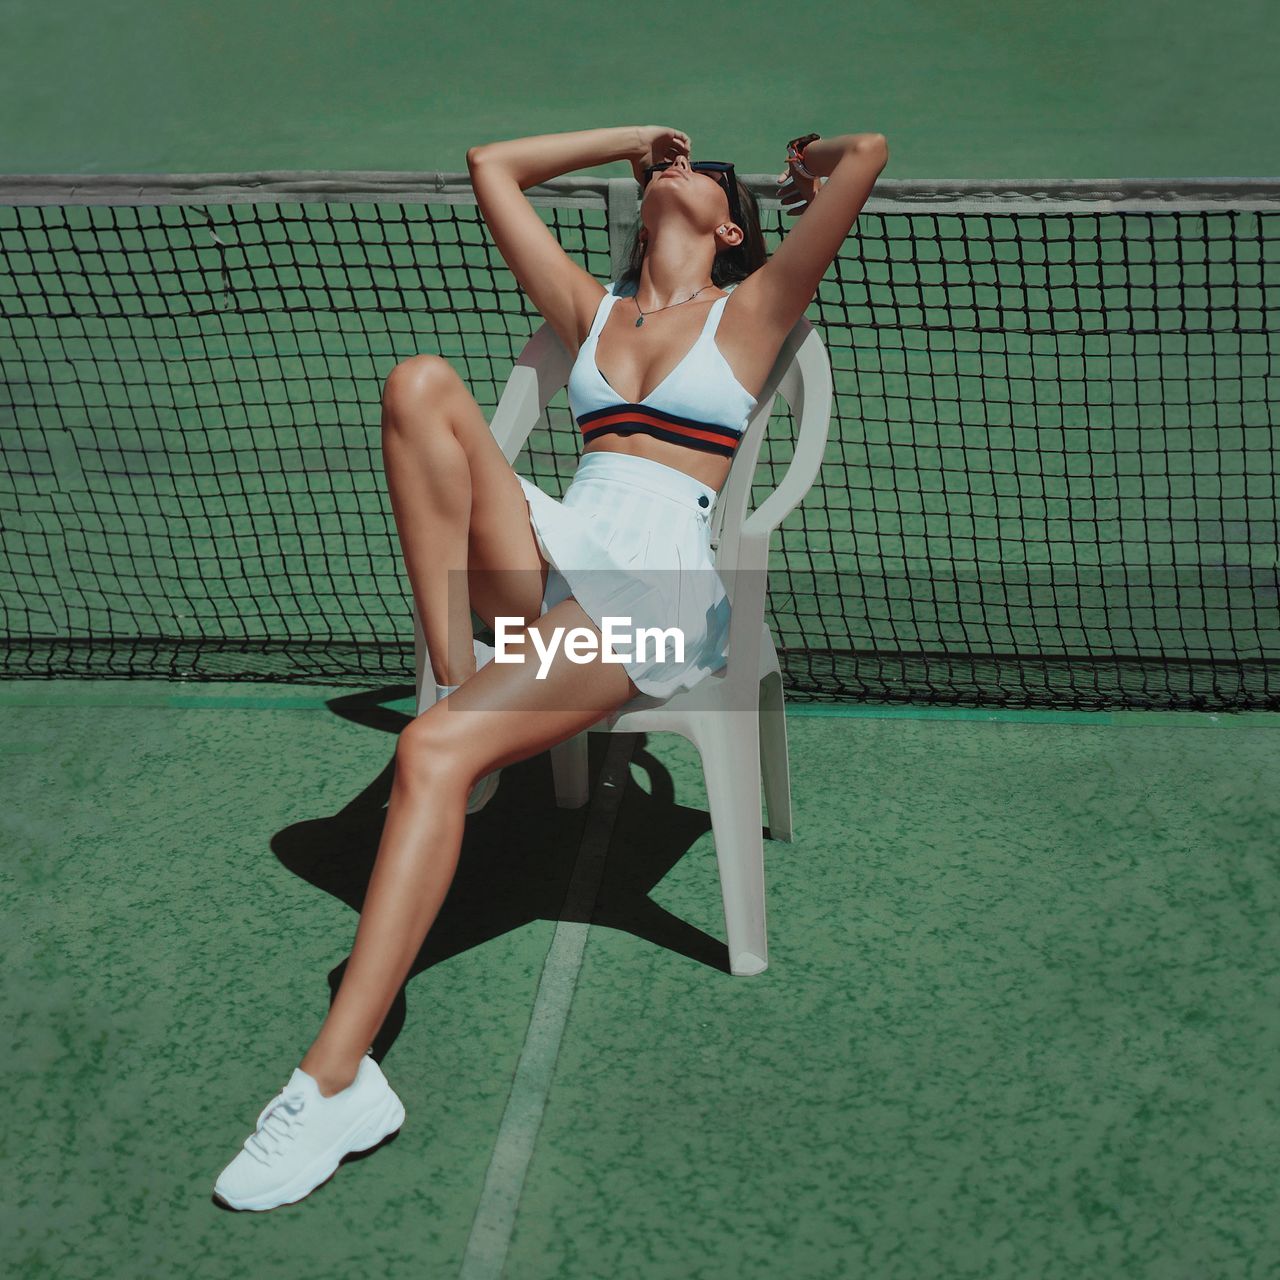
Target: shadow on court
(517,860)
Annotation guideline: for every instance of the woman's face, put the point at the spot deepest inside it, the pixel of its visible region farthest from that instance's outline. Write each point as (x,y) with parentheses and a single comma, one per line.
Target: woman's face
(705,201)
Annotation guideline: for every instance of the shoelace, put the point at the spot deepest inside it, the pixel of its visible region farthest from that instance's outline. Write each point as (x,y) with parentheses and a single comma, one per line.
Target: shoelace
(267,1141)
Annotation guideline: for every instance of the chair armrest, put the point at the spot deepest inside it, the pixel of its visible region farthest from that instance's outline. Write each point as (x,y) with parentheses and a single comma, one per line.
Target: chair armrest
(749,593)
(541,369)
(803,378)
(807,388)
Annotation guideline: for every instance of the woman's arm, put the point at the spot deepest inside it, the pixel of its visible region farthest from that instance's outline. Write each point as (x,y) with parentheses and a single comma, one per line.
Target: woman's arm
(563,292)
(779,292)
(548,155)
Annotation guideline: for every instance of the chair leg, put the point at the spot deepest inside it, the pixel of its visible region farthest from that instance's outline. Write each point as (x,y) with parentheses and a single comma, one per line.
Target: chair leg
(773,758)
(569,768)
(729,743)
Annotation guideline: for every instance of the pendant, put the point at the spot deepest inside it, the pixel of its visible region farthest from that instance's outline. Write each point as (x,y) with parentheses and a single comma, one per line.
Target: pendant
(639,321)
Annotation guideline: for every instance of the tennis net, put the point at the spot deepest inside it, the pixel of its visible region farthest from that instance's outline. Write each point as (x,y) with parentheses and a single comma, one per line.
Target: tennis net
(1051,477)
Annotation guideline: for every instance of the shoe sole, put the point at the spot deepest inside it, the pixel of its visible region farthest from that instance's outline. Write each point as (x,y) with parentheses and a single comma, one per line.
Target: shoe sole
(364,1134)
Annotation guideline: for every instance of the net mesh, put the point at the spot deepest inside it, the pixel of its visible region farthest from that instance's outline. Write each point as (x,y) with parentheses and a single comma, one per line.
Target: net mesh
(1050,481)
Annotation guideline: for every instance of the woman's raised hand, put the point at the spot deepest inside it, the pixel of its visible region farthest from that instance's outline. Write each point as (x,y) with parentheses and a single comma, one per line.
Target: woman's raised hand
(795,189)
(654,144)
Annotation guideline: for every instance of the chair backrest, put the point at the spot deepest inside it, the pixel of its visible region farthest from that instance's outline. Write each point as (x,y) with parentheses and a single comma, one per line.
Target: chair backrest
(801,375)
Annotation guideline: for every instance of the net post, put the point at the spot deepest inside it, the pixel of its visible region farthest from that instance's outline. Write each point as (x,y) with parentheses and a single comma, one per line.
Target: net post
(621,200)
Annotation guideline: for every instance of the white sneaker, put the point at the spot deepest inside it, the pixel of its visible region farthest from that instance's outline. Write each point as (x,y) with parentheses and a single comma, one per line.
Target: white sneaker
(302,1136)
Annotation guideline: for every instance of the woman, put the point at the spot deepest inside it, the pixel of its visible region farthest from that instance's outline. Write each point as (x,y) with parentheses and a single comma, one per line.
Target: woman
(661,390)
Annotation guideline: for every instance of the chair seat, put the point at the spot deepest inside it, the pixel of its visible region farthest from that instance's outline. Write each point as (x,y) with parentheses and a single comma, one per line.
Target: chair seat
(707,696)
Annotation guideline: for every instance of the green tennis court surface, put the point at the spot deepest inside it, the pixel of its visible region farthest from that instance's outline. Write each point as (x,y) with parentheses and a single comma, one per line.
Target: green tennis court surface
(1020,1016)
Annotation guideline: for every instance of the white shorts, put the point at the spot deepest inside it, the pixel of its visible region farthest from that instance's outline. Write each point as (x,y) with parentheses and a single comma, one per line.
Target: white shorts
(631,539)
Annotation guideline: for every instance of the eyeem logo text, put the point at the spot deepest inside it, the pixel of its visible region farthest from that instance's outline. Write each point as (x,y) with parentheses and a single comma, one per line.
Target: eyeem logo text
(583,645)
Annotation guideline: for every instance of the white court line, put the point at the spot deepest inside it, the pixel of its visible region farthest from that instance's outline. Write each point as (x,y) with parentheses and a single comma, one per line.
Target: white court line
(495,1219)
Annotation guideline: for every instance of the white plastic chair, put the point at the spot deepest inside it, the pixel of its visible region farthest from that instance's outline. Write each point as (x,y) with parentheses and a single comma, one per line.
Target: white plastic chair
(735,716)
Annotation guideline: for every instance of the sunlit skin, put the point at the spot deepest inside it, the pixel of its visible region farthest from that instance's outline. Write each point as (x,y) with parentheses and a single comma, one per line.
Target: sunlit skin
(457,503)
(685,223)
(463,521)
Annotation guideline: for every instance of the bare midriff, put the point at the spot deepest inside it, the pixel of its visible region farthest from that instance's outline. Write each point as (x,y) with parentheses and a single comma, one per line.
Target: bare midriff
(711,469)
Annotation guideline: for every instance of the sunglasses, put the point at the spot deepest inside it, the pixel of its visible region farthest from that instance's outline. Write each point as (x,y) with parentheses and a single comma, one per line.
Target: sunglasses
(720,170)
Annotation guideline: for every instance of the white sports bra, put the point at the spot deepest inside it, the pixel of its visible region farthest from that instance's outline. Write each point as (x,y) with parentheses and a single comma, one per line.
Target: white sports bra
(700,403)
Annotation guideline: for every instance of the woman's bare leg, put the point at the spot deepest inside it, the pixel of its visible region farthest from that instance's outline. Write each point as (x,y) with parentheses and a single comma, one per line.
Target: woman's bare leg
(458,505)
(459,509)
(502,714)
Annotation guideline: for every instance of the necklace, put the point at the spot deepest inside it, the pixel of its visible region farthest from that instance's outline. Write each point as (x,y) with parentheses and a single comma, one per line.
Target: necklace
(640,318)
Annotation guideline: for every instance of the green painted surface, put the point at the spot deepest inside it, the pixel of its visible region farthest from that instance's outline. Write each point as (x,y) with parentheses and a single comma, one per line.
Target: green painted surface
(1019,1020)
(179,886)
(1020,1015)
(1018,88)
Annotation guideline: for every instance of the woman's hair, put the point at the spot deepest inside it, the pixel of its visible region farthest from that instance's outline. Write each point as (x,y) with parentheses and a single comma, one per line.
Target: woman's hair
(729,265)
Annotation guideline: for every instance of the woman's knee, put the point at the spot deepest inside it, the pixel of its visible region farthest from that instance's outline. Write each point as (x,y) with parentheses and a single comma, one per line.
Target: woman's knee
(418,377)
(431,748)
